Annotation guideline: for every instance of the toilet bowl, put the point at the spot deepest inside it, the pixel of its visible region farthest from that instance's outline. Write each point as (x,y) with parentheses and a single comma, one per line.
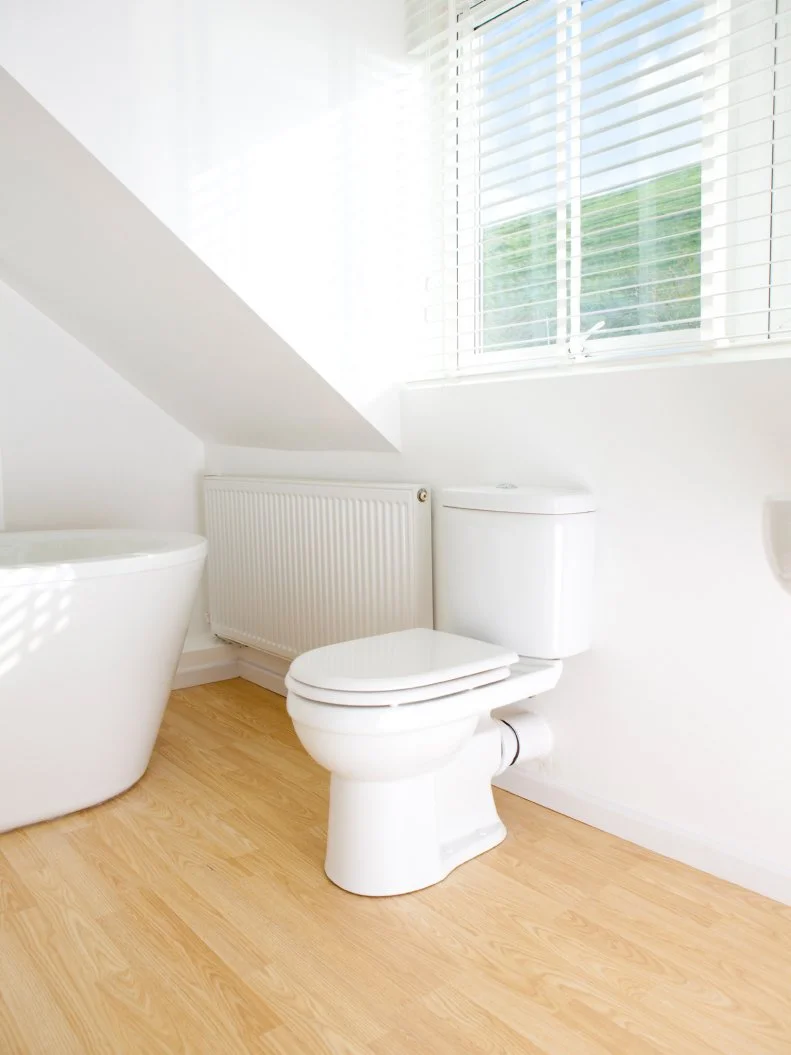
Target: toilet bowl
(403,721)
(410,787)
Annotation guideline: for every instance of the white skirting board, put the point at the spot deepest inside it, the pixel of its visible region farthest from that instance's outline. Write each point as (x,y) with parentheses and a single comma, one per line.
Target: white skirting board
(201,666)
(646,831)
(223,661)
(264,669)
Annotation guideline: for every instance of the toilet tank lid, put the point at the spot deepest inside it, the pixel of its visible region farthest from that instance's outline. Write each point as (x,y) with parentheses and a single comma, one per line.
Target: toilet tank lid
(510,498)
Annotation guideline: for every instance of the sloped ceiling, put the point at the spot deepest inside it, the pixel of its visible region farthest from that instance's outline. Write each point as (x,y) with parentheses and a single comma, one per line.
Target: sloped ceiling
(79,246)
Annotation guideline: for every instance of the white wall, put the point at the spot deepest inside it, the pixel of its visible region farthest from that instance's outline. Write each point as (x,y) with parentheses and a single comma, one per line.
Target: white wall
(82,248)
(272,138)
(80,446)
(675,730)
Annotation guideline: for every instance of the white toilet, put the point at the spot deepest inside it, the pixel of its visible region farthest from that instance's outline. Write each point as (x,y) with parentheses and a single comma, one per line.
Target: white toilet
(403,721)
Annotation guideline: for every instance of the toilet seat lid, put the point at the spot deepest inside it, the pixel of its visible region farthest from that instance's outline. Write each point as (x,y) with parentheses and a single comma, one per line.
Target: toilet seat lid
(405,659)
(395,697)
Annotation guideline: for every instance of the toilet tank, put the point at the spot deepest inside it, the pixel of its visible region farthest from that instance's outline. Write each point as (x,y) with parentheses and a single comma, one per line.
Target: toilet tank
(514,566)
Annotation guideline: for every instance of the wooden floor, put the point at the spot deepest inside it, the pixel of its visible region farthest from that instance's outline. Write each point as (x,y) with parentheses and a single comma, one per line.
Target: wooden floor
(192,915)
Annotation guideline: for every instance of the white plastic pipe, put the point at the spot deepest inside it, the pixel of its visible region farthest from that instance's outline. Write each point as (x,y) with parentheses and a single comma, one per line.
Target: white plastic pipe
(524,737)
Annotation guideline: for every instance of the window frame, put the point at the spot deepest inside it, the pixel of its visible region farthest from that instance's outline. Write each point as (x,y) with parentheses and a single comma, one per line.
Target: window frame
(571,345)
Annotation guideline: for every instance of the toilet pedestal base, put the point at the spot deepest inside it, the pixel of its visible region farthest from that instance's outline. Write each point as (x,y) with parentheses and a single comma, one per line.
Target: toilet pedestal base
(393,837)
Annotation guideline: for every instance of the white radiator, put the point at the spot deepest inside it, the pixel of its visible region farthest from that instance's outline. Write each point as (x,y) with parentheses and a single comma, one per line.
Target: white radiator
(294,564)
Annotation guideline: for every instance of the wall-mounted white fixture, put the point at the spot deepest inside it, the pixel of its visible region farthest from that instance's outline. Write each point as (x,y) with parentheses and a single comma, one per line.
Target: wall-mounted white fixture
(777,538)
(300,563)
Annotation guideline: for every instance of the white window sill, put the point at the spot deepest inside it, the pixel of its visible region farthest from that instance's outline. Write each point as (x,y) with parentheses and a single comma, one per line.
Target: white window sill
(588,366)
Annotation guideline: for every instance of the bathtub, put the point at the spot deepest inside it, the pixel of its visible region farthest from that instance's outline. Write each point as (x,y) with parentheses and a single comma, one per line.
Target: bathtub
(92,624)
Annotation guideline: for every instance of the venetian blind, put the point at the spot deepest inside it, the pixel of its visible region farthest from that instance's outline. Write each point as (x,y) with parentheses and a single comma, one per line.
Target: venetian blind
(610,178)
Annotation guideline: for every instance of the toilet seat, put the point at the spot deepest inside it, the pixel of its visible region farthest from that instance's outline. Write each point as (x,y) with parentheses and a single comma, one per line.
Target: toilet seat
(391,698)
(407,680)
(403,660)
(401,668)
(525,679)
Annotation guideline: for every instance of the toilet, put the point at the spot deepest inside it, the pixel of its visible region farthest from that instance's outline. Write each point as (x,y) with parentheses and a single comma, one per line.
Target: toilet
(404,721)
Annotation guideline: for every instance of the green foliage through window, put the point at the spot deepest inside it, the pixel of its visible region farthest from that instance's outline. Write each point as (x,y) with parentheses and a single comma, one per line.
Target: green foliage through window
(640,266)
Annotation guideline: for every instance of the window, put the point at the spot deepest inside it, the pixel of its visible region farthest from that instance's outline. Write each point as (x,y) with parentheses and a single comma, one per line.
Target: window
(613,177)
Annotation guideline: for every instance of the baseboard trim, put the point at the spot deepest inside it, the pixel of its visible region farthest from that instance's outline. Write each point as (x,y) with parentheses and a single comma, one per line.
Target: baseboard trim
(205,665)
(262,668)
(646,831)
(224,660)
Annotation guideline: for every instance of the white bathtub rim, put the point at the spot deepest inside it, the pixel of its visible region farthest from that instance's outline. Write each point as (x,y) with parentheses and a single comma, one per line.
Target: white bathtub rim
(138,550)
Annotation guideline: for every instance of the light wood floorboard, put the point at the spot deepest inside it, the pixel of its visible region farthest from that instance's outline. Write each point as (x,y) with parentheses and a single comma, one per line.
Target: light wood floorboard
(192,915)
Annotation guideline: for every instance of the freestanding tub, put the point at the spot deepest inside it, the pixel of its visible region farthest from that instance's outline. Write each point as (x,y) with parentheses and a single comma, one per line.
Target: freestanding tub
(92,624)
